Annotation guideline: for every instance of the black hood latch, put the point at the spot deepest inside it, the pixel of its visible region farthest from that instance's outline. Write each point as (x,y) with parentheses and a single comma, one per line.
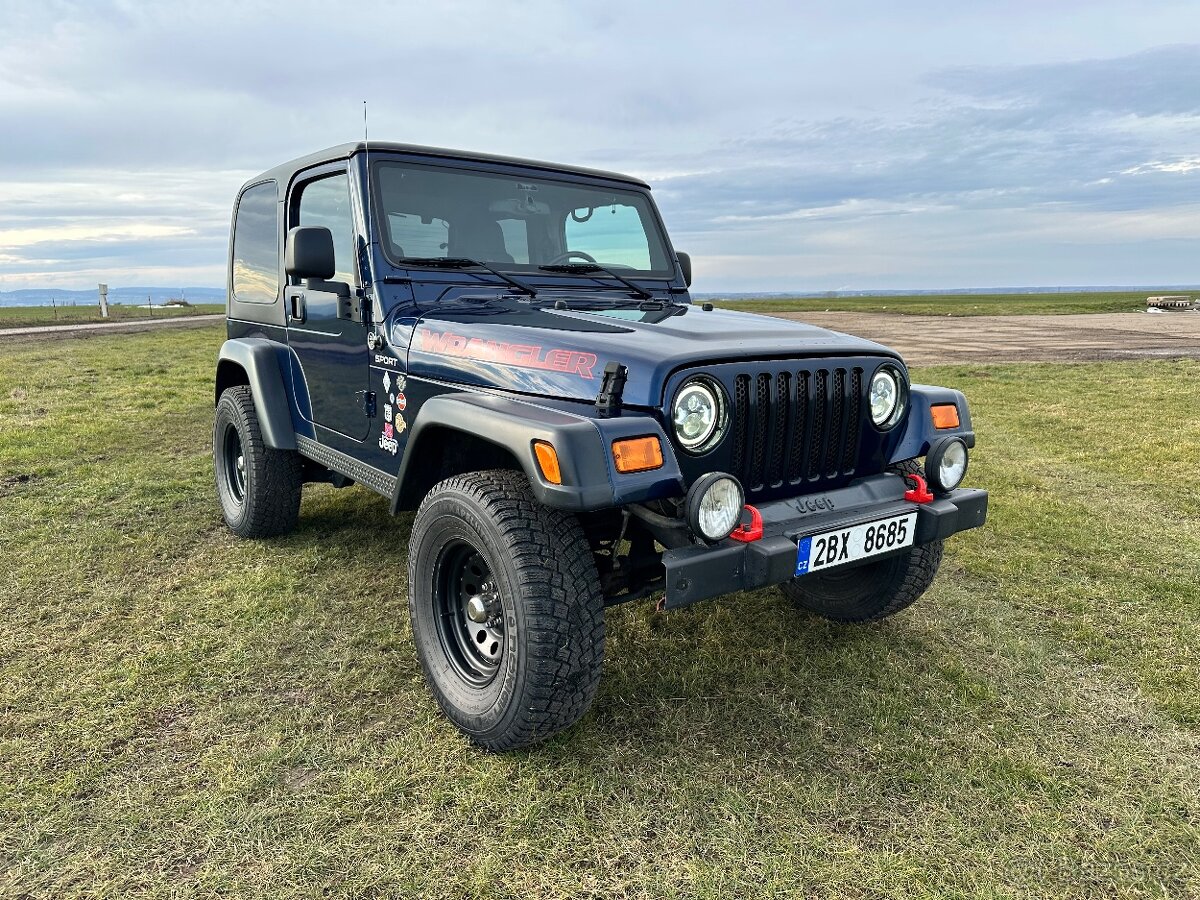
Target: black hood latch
(608,401)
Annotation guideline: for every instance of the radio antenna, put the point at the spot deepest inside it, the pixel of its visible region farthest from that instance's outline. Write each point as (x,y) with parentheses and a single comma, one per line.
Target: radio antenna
(370,218)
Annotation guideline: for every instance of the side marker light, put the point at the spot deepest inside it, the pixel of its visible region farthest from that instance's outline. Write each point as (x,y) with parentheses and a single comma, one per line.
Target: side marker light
(547,459)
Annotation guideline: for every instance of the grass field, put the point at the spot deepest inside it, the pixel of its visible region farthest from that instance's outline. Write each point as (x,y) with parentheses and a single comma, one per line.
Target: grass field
(182,713)
(955,304)
(29,316)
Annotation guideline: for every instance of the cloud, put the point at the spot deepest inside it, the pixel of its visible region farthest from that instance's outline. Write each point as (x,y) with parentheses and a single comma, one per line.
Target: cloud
(1008,149)
(1156,82)
(787,146)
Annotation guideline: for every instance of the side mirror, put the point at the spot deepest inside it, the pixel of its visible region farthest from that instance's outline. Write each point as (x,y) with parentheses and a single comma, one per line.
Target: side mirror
(309,252)
(685,264)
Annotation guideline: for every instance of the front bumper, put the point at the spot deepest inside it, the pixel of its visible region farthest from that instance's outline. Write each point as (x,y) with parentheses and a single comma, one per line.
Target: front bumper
(699,572)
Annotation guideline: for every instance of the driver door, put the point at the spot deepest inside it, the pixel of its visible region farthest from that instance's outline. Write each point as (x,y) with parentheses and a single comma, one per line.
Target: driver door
(330,358)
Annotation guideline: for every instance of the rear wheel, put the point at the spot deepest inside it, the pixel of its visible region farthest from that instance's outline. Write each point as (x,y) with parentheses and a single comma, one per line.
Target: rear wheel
(259,487)
(506,609)
(873,590)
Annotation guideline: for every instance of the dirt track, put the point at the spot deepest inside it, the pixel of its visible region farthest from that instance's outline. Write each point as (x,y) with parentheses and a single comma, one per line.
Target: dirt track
(924,340)
(117,326)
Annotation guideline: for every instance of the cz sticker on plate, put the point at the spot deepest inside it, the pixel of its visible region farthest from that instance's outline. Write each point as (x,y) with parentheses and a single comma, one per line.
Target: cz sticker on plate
(847,545)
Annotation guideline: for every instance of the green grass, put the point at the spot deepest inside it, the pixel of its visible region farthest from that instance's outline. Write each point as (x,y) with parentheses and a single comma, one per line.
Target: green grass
(183,713)
(28,316)
(955,304)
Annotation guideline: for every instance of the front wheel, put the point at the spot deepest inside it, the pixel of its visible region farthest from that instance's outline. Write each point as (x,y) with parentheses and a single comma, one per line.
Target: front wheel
(873,590)
(506,609)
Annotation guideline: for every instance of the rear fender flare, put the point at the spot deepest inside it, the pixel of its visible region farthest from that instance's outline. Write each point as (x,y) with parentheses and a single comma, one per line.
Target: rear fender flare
(256,362)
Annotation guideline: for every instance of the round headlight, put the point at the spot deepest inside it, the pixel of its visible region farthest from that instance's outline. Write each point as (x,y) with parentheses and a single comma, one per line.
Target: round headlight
(697,414)
(714,505)
(887,397)
(946,464)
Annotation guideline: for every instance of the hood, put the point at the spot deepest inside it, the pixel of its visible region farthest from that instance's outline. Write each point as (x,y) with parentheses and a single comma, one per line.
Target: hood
(562,353)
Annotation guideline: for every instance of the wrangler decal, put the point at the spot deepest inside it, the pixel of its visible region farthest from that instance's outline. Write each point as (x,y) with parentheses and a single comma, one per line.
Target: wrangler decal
(525,356)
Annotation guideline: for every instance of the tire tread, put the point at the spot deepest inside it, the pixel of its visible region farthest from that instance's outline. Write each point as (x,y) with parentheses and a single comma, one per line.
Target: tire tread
(275,478)
(563,605)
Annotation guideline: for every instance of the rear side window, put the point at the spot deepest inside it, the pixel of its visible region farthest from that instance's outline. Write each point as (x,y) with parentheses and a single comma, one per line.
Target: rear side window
(256,246)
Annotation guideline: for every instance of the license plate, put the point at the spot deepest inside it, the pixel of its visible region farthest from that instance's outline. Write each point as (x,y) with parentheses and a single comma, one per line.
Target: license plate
(847,545)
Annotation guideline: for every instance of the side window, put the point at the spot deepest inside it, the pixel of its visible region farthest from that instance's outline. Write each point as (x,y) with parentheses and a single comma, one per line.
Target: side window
(614,235)
(410,236)
(326,202)
(256,246)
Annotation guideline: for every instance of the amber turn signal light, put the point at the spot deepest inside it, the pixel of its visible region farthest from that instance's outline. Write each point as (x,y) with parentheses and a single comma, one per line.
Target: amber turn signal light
(637,454)
(945,415)
(547,458)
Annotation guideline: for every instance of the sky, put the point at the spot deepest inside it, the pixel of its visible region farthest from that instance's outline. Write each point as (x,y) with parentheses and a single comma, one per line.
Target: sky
(847,146)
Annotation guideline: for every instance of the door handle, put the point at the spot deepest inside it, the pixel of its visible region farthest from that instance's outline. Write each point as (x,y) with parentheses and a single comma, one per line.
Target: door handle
(299,311)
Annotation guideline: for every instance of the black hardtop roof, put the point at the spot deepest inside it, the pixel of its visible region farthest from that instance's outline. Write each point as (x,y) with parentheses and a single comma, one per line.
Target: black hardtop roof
(283,173)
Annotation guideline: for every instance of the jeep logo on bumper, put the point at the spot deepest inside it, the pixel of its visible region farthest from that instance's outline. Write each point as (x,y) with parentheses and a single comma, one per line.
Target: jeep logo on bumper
(805,505)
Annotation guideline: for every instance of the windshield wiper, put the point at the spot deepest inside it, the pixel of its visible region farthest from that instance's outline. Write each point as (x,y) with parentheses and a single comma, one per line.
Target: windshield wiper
(461,262)
(585,268)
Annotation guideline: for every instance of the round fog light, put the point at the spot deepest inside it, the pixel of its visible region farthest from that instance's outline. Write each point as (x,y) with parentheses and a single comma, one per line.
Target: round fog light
(946,464)
(714,506)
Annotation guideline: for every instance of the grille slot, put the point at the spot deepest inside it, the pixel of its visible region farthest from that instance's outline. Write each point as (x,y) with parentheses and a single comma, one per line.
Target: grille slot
(760,415)
(741,421)
(790,428)
(854,399)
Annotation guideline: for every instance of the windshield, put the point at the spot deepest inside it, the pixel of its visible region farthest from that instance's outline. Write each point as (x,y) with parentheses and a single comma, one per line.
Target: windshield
(515,223)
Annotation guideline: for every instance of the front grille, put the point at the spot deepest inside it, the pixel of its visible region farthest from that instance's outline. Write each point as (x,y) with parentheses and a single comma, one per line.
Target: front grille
(792,428)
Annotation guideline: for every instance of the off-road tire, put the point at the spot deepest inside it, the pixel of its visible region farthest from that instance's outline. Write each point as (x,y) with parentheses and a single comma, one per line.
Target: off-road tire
(272,480)
(550,606)
(874,590)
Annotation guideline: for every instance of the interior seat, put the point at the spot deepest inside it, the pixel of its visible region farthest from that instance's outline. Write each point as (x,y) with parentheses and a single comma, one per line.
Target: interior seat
(480,239)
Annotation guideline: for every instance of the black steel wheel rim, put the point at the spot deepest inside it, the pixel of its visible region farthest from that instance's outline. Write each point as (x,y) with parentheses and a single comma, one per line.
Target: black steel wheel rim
(235,463)
(468,613)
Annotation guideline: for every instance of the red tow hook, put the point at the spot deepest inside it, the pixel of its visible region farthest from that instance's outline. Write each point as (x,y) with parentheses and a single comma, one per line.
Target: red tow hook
(748,532)
(920,493)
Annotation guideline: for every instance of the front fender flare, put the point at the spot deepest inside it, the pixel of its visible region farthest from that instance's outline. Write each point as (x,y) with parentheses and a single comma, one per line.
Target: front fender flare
(259,360)
(589,477)
(919,432)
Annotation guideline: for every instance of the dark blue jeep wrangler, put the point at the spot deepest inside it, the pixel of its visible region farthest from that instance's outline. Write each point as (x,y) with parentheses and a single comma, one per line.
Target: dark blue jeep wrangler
(508,347)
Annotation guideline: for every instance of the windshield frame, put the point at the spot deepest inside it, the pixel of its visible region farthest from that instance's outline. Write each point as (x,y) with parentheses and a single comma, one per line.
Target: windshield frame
(655,228)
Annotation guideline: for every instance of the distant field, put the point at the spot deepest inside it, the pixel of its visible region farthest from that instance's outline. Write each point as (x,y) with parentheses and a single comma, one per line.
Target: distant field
(917,305)
(186,714)
(954,304)
(29,316)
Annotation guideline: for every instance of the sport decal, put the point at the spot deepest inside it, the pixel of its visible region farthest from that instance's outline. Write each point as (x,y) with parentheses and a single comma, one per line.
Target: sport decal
(525,356)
